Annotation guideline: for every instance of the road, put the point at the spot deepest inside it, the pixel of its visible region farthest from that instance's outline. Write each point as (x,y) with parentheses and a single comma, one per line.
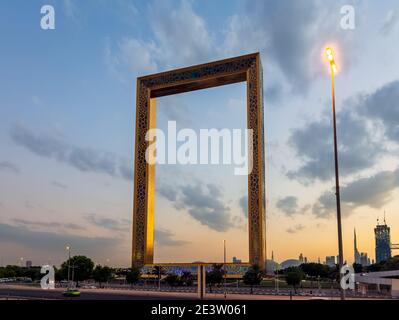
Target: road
(29,292)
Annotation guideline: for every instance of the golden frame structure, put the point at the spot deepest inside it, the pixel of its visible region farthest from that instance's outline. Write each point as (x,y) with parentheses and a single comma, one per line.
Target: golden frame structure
(239,69)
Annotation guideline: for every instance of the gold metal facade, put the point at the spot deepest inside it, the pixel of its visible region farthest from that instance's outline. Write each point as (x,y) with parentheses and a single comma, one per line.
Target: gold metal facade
(244,68)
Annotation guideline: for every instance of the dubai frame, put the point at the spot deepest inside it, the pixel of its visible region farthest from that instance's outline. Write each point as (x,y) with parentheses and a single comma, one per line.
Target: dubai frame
(239,69)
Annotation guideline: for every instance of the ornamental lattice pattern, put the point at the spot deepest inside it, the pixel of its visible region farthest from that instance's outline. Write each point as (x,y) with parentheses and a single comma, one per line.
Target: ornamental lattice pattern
(245,68)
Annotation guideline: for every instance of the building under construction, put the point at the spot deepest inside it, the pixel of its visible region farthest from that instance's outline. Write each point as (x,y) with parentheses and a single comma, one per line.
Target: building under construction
(382,242)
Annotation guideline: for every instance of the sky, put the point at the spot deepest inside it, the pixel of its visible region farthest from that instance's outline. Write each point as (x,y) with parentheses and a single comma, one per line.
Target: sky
(67,112)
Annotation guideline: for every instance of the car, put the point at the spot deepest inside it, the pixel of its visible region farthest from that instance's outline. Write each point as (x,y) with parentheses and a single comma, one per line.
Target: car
(89,287)
(71,293)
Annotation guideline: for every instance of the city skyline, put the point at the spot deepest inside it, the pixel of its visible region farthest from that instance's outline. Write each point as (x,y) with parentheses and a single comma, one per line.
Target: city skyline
(67,110)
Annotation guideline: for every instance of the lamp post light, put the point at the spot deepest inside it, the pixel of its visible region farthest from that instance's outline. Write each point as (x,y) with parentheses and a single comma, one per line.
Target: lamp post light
(334,70)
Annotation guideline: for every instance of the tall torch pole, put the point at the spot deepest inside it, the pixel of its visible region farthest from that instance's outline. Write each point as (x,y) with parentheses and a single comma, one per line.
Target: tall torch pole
(69,263)
(333,67)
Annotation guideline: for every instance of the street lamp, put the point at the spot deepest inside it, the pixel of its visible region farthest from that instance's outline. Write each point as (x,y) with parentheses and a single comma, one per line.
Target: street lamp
(334,70)
(224,268)
(68,248)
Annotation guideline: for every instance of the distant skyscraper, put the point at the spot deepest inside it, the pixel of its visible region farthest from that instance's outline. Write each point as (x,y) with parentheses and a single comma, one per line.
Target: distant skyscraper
(301,260)
(330,261)
(382,242)
(356,251)
(236,260)
(364,260)
(28,264)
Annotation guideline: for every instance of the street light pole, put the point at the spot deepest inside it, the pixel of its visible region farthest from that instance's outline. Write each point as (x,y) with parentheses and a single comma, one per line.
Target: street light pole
(333,68)
(224,259)
(69,263)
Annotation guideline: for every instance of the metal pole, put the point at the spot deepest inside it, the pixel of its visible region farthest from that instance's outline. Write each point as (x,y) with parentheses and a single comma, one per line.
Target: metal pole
(73,273)
(277,281)
(337,193)
(69,264)
(159,278)
(224,267)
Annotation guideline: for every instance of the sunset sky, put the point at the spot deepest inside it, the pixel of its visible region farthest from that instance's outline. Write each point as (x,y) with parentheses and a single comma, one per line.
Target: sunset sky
(67,112)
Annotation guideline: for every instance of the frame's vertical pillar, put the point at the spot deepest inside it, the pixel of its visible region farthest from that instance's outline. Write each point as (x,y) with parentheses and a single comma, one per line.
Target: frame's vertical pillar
(149,223)
(201,281)
(144,181)
(256,179)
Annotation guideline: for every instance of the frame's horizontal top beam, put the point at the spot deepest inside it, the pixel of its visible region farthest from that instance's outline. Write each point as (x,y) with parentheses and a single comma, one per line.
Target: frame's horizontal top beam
(198,84)
(198,66)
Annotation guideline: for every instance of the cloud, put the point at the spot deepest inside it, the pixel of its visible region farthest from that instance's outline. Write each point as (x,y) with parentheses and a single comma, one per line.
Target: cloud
(289,34)
(109,223)
(47,224)
(390,22)
(9,166)
(179,36)
(40,240)
(295,229)
(166,238)
(243,202)
(278,29)
(132,55)
(58,184)
(313,143)
(288,205)
(70,9)
(82,159)
(289,28)
(383,105)
(360,143)
(167,191)
(373,191)
(205,204)
(202,201)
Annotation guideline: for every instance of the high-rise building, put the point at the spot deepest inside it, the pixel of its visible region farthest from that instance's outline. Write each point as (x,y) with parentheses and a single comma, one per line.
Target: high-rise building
(364,260)
(359,257)
(301,260)
(330,261)
(356,251)
(382,242)
(236,260)
(28,263)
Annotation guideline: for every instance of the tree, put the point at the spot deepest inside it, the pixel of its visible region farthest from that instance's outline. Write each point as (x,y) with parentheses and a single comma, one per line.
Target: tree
(172,279)
(133,275)
(11,271)
(358,268)
(293,276)
(81,269)
(215,276)
(102,274)
(187,278)
(159,271)
(253,277)
(315,270)
(386,265)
